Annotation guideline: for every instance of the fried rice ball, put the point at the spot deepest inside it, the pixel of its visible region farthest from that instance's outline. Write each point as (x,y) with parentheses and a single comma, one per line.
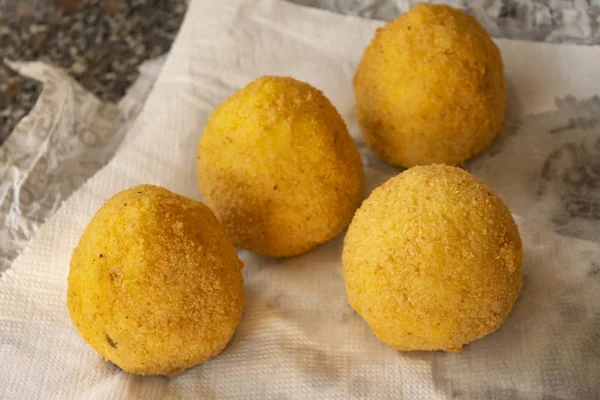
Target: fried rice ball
(430,88)
(155,286)
(278,167)
(432,260)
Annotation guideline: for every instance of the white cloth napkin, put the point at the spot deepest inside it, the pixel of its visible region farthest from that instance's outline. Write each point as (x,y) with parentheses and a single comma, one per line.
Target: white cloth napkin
(299,338)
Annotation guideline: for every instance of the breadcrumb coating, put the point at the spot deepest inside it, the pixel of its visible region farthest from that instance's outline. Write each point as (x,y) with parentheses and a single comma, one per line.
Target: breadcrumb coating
(155,285)
(430,88)
(432,260)
(278,167)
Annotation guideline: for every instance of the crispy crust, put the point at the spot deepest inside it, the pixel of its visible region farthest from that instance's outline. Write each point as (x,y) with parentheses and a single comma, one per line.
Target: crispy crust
(432,260)
(278,167)
(430,88)
(155,286)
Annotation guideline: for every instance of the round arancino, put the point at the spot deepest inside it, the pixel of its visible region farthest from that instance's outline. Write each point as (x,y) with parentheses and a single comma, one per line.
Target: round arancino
(430,88)
(155,286)
(432,260)
(278,167)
